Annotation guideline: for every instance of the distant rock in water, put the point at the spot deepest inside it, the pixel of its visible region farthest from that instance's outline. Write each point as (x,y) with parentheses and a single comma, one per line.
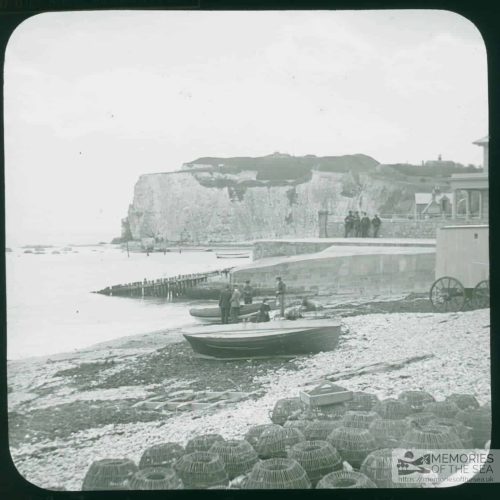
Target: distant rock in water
(236,199)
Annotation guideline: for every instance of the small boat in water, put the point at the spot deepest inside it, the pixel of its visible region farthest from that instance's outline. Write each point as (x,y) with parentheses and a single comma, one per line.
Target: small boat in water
(233,255)
(281,338)
(212,314)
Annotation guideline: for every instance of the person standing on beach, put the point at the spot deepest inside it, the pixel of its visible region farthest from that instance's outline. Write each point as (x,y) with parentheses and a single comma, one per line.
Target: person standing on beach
(247,293)
(376,223)
(280,295)
(225,304)
(235,305)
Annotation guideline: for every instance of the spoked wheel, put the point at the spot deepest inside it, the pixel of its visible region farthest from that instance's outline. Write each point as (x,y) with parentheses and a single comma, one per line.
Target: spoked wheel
(481,294)
(447,295)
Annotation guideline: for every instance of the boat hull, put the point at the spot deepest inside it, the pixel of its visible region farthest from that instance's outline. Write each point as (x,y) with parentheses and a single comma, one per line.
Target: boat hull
(265,341)
(213,314)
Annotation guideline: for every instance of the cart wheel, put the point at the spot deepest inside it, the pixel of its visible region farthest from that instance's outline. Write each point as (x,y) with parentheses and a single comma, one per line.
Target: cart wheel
(481,294)
(447,295)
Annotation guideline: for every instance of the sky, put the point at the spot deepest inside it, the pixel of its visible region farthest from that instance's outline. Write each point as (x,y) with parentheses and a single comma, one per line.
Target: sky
(95,99)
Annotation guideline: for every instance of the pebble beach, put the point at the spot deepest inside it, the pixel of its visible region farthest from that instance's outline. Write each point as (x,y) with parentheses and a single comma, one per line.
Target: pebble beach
(65,411)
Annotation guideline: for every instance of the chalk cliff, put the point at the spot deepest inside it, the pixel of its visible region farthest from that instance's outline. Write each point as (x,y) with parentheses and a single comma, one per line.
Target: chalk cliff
(236,199)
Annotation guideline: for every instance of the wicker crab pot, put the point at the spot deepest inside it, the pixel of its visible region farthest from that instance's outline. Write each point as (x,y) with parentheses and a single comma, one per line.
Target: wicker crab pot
(420,420)
(359,419)
(298,424)
(444,409)
(416,400)
(203,442)
(353,444)
(479,419)
(325,412)
(161,455)
(430,438)
(377,466)
(317,458)
(345,479)
(319,430)
(362,401)
(277,474)
(392,409)
(388,433)
(201,470)
(253,434)
(109,474)
(275,442)
(463,401)
(461,430)
(285,409)
(238,456)
(156,478)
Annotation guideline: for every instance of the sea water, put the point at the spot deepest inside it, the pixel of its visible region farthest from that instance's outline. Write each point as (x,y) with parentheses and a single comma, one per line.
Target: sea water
(50,307)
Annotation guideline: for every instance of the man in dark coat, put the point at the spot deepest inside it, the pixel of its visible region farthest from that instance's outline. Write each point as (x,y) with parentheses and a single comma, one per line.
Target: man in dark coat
(280,295)
(225,304)
(365,225)
(376,223)
(356,225)
(247,293)
(348,221)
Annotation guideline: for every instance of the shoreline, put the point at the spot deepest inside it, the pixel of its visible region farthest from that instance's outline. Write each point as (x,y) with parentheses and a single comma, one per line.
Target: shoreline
(65,413)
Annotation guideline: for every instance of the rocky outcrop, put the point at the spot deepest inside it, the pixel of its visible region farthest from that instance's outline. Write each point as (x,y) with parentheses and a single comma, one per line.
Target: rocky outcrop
(237,199)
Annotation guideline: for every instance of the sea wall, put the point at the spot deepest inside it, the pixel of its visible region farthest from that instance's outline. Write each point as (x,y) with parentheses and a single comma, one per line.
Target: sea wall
(371,271)
(287,248)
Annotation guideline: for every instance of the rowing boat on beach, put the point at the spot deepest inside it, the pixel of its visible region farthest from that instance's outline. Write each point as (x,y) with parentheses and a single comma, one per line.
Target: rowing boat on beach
(281,338)
(233,255)
(213,314)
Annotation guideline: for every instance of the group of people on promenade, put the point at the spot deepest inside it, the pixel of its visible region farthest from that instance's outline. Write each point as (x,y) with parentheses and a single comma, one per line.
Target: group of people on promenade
(358,226)
(231,298)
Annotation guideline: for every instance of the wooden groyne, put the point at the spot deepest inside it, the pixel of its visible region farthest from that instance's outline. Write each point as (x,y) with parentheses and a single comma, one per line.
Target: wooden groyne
(169,288)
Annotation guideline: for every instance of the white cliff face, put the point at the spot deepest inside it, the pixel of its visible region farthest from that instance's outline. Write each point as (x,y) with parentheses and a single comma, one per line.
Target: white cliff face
(180,206)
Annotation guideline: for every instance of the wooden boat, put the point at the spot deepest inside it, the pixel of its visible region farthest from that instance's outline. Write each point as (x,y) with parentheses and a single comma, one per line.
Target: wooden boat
(264,340)
(212,314)
(236,255)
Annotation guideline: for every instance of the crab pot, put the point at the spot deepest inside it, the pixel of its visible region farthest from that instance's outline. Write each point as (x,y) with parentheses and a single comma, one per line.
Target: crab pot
(275,442)
(463,401)
(480,421)
(353,444)
(238,456)
(362,401)
(298,424)
(203,442)
(421,419)
(392,409)
(317,458)
(161,455)
(277,474)
(443,409)
(319,430)
(430,438)
(156,478)
(461,430)
(201,470)
(359,419)
(388,433)
(377,466)
(109,474)
(287,408)
(345,479)
(324,412)
(416,400)
(253,434)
